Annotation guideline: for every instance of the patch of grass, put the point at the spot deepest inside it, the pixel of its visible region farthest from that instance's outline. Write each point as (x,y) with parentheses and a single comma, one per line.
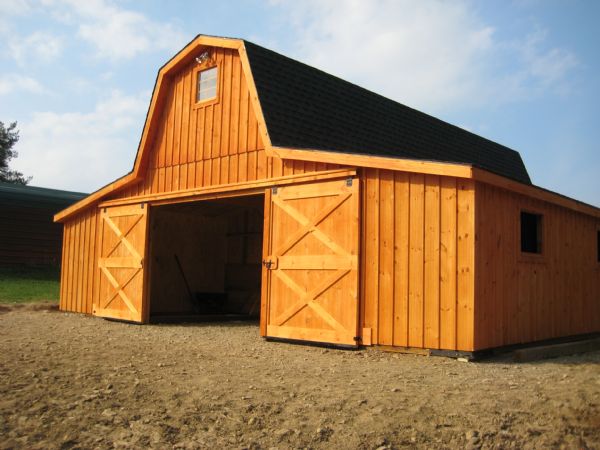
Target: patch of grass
(29,284)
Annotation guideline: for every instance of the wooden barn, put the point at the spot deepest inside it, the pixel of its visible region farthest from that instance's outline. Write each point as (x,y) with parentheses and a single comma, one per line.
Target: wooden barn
(28,235)
(263,187)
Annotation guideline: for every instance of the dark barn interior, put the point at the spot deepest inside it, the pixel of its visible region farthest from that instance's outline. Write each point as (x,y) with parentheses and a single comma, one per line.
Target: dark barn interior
(205,260)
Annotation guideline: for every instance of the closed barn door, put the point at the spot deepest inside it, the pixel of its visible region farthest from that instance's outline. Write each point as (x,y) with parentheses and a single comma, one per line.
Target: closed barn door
(122,247)
(312,262)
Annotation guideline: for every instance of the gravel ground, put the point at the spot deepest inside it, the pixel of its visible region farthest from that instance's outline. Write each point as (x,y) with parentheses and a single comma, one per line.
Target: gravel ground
(71,381)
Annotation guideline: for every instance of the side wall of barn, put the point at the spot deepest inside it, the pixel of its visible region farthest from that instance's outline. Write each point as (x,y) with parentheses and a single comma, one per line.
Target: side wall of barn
(523,297)
(418,260)
(79,279)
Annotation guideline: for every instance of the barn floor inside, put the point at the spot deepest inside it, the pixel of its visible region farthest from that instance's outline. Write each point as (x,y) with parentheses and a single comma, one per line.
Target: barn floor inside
(205,260)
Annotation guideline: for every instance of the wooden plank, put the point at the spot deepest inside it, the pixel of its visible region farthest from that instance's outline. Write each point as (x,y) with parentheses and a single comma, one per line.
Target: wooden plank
(401,252)
(92,262)
(322,262)
(448,236)
(556,350)
(243,119)
(376,162)
(240,188)
(415,261)
(371,267)
(228,61)
(234,123)
(465,265)
(309,334)
(84,260)
(386,258)
(431,303)
(77,265)
(265,274)
(535,192)
(121,262)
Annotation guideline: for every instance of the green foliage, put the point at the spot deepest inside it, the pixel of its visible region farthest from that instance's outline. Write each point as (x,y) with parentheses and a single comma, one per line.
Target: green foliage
(8,138)
(29,284)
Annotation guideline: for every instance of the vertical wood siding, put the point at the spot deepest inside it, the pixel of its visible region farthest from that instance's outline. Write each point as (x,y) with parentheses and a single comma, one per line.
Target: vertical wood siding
(523,298)
(79,271)
(194,147)
(418,260)
(216,144)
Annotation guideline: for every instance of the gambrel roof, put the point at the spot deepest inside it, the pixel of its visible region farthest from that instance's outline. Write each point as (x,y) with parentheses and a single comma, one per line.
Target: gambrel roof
(307,108)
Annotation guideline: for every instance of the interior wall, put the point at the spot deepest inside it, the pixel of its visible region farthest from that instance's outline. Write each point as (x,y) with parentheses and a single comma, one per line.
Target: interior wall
(199,242)
(527,297)
(243,263)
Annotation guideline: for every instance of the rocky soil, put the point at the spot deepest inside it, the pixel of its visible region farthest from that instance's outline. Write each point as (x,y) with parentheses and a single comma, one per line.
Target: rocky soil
(71,381)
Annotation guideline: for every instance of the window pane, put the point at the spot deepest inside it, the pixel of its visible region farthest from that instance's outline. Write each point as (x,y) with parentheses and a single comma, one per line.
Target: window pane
(531,233)
(207,84)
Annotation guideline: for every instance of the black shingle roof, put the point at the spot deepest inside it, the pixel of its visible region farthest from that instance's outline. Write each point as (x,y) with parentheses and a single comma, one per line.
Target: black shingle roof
(307,108)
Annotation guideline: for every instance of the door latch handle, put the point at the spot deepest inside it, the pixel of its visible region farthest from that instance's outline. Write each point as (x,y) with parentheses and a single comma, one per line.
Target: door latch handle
(270,263)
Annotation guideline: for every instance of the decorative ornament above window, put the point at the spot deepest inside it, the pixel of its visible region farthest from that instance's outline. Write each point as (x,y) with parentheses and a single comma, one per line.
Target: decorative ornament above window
(204,56)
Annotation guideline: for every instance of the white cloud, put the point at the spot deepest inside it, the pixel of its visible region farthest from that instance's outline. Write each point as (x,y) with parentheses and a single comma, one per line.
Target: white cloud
(117,33)
(82,151)
(14,7)
(14,83)
(431,54)
(37,47)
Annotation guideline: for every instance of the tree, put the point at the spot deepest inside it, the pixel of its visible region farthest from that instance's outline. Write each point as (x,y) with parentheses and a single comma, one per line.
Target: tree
(8,138)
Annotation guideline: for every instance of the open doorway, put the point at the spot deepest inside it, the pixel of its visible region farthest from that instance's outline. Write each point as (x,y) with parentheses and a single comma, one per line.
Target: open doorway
(205,260)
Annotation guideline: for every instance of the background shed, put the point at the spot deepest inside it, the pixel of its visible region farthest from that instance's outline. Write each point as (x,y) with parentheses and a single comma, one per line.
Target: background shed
(28,234)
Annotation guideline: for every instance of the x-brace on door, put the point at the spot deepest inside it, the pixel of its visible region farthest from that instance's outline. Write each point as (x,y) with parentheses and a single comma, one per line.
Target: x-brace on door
(122,246)
(312,262)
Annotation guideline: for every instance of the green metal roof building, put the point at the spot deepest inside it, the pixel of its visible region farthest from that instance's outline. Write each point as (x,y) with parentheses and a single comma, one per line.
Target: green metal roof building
(28,235)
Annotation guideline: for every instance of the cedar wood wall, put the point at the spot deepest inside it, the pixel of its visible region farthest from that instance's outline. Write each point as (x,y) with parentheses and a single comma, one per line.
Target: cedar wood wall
(523,298)
(418,259)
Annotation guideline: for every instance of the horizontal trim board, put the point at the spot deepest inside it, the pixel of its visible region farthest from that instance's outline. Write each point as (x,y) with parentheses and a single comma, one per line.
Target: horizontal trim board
(239,188)
(375,162)
(435,168)
(309,334)
(535,192)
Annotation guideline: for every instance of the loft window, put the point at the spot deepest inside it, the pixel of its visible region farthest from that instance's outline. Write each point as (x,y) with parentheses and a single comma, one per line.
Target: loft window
(531,232)
(207,84)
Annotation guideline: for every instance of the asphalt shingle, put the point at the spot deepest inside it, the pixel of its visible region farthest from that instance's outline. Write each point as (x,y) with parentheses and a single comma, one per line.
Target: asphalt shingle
(309,109)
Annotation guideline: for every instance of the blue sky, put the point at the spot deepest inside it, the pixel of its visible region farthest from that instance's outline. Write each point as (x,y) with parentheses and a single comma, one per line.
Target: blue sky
(77,75)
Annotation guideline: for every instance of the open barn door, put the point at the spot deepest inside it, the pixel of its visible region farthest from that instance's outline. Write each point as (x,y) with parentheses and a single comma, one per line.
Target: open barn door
(311,262)
(122,247)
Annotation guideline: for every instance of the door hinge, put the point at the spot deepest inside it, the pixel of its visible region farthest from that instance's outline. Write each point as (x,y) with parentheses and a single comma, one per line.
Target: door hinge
(274,190)
(349,181)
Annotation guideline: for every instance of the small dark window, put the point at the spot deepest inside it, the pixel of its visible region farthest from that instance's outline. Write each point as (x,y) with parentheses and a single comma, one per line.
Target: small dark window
(531,232)
(207,84)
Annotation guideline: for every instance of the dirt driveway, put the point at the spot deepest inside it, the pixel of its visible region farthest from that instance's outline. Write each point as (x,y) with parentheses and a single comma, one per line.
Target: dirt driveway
(70,381)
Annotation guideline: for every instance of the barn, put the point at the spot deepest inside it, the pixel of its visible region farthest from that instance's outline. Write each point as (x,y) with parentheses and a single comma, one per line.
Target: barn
(265,188)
